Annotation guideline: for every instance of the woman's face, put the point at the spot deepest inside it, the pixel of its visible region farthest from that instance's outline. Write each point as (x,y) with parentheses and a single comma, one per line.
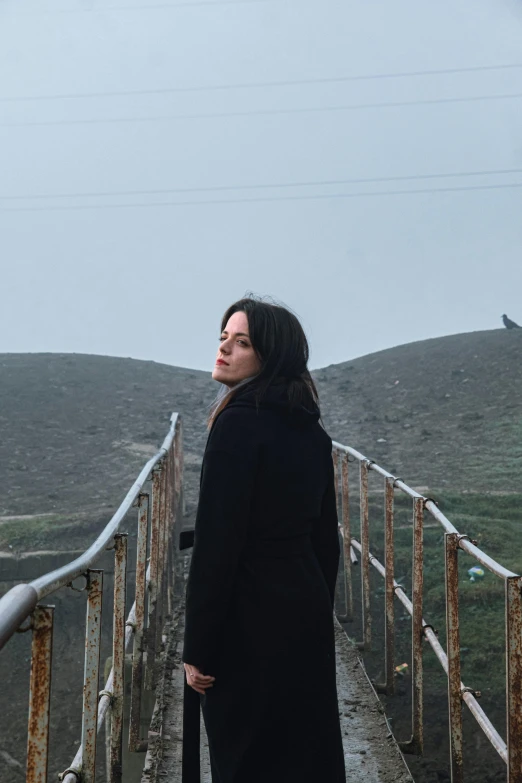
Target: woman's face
(236,358)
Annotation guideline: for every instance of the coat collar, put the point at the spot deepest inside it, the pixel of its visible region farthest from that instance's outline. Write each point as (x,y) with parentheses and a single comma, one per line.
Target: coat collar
(276,398)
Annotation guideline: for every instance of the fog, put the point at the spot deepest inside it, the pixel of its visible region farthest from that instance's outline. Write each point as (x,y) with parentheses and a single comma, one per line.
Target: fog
(359,161)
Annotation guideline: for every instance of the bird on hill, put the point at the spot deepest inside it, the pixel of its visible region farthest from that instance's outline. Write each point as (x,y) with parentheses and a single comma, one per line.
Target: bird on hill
(508,323)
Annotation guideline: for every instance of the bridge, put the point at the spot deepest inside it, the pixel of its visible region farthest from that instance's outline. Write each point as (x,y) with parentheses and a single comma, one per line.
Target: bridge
(136,704)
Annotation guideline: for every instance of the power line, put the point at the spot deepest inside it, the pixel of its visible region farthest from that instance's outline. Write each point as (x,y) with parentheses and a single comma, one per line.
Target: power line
(257,85)
(190,4)
(151,7)
(269,186)
(263,112)
(265,199)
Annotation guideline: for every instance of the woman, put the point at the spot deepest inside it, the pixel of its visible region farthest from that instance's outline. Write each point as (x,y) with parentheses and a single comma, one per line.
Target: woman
(259,634)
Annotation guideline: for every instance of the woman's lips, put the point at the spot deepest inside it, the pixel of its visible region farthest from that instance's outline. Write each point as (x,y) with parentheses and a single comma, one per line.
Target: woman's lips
(220,361)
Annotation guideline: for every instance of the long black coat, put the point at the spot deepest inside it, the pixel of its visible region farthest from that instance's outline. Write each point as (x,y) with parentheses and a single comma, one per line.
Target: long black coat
(259,607)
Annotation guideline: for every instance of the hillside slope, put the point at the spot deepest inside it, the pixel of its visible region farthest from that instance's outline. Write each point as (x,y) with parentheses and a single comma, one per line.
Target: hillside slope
(445,412)
(76,429)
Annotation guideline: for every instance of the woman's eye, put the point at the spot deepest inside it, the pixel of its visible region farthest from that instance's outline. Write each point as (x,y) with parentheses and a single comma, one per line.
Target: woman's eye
(239,341)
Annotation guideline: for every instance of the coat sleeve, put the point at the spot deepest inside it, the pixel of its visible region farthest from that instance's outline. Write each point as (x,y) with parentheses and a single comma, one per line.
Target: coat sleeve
(227,481)
(325,535)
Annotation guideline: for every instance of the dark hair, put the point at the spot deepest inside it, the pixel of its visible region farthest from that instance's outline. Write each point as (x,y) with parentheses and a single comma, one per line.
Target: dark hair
(282,349)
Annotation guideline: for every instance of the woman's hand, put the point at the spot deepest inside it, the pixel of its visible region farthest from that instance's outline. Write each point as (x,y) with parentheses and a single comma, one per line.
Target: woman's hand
(200,682)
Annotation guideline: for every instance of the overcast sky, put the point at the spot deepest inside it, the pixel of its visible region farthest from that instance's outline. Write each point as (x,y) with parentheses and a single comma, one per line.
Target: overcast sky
(146,267)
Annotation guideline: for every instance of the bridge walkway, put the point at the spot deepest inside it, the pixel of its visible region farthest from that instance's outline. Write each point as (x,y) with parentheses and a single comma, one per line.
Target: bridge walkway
(370,751)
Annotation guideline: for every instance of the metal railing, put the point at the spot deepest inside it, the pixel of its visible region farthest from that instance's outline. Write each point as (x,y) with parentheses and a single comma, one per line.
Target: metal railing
(159,507)
(511,750)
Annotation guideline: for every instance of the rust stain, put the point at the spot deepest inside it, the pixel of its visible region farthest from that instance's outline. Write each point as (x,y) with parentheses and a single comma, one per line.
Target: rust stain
(453,655)
(39,695)
(347,538)
(365,560)
(416,626)
(118,656)
(92,669)
(514,678)
(137,655)
(154,578)
(389,491)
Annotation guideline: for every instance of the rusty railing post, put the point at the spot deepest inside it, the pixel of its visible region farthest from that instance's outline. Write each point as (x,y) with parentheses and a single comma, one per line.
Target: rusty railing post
(335,459)
(347,538)
(177,510)
(177,501)
(92,673)
(169,519)
(108,745)
(416,626)
(180,495)
(168,531)
(154,577)
(137,652)
(514,678)
(453,653)
(118,655)
(389,550)
(161,557)
(40,694)
(365,558)
(416,743)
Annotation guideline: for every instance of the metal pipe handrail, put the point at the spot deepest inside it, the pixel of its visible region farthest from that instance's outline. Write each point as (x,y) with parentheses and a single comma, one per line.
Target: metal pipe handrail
(19,602)
(467,695)
(159,512)
(436,513)
(511,749)
(55,579)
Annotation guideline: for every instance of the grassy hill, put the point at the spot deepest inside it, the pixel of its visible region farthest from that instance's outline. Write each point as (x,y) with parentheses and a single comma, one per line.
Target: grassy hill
(77,428)
(445,412)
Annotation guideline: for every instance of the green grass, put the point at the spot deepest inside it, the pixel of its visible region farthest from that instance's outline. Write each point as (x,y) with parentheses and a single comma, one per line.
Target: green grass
(495,522)
(21,535)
